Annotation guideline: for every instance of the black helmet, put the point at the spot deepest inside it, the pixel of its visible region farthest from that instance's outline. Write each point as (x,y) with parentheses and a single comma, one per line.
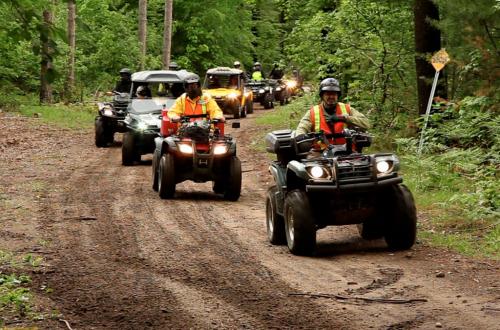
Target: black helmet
(125,71)
(237,64)
(173,66)
(329,85)
(192,78)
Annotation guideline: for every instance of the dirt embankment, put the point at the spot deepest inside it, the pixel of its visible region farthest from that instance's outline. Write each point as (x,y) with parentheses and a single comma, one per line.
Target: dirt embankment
(115,256)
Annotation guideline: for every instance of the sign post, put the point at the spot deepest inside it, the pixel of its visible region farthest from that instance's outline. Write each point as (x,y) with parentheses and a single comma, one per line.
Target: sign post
(438,61)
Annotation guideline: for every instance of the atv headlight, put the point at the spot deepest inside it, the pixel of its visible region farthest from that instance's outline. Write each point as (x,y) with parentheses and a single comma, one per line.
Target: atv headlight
(220,149)
(108,112)
(278,89)
(291,84)
(386,164)
(141,126)
(186,148)
(318,172)
(261,91)
(232,96)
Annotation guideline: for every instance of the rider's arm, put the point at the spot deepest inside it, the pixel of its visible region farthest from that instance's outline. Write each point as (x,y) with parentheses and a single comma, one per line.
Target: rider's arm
(177,110)
(356,118)
(305,126)
(213,110)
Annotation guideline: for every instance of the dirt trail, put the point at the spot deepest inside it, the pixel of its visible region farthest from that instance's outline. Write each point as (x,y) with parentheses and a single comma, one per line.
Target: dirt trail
(118,257)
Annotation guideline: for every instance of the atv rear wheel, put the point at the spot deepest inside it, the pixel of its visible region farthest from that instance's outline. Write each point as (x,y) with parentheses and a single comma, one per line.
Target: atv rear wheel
(299,224)
(268,101)
(218,186)
(371,230)
(243,112)
(155,167)
(275,223)
(233,184)
(166,177)
(129,154)
(101,139)
(401,222)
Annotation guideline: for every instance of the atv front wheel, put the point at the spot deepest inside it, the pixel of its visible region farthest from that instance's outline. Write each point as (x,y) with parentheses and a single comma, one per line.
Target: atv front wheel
(249,107)
(299,224)
(274,222)
(243,112)
(154,167)
(401,222)
(166,177)
(236,112)
(233,184)
(129,154)
(268,101)
(101,139)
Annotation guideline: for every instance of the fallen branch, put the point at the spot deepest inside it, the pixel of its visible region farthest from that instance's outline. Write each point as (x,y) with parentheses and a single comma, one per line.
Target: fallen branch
(81,217)
(340,297)
(67,323)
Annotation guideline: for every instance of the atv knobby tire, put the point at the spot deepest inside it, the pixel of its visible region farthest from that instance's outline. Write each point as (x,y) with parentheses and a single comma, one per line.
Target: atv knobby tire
(155,168)
(401,221)
(233,183)
(243,111)
(372,229)
(268,101)
(299,224)
(275,223)
(249,106)
(129,154)
(166,177)
(101,140)
(236,112)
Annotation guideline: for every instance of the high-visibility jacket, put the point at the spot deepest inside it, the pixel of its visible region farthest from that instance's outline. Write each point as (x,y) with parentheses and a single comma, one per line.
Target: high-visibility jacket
(319,122)
(257,75)
(184,106)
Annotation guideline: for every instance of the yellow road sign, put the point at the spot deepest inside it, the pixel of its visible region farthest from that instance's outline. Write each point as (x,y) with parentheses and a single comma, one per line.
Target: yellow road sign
(440,59)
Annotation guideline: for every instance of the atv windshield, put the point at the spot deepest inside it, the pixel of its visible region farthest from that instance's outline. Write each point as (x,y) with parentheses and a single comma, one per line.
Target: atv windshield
(213,81)
(151,105)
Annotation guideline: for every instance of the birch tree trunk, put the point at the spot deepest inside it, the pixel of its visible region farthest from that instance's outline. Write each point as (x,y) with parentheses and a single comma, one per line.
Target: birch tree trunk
(143,23)
(167,33)
(70,78)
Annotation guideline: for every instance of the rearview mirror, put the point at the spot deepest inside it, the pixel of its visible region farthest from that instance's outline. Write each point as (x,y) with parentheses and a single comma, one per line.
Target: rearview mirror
(235,125)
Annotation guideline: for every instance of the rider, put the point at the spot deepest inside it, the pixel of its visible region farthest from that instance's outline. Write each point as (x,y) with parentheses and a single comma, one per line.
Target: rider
(331,116)
(237,65)
(125,82)
(173,66)
(257,73)
(143,92)
(194,102)
(276,72)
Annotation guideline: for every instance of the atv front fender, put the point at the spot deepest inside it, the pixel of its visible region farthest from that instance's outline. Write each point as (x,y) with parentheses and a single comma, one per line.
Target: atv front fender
(278,174)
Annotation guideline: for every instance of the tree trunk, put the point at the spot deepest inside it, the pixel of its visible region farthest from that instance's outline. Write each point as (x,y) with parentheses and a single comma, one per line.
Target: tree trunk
(427,41)
(70,79)
(47,50)
(167,33)
(143,25)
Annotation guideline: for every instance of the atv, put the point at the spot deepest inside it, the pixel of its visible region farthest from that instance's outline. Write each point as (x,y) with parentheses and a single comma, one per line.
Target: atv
(262,91)
(281,92)
(341,186)
(109,119)
(196,149)
(226,86)
(143,120)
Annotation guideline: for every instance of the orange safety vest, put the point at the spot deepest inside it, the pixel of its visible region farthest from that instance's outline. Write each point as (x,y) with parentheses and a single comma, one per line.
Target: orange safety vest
(319,121)
(199,109)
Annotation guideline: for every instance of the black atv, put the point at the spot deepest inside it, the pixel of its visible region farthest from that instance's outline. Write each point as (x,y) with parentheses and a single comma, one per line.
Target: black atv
(109,119)
(198,151)
(262,92)
(281,92)
(338,187)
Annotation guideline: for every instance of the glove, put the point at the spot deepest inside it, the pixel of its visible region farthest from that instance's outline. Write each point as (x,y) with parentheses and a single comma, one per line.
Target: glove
(336,119)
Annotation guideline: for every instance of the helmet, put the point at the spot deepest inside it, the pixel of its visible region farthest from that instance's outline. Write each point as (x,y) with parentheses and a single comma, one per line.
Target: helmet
(192,78)
(125,71)
(142,91)
(329,85)
(257,64)
(173,66)
(236,64)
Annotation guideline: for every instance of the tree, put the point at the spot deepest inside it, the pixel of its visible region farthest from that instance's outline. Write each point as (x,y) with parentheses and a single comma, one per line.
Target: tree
(70,79)
(143,23)
(427,41)
(167,33)
(47,52)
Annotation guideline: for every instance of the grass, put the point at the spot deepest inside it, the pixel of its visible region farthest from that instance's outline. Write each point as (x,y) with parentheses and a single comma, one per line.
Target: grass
(64,116)
(456,196)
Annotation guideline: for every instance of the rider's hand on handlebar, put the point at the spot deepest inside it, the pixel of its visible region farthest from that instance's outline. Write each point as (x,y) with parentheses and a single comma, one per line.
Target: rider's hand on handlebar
(174,118)
(337,119)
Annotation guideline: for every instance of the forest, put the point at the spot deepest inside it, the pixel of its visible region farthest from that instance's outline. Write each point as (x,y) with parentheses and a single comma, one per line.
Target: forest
(70,51)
